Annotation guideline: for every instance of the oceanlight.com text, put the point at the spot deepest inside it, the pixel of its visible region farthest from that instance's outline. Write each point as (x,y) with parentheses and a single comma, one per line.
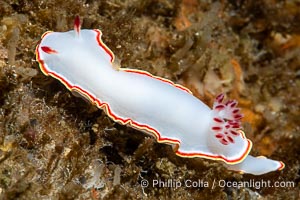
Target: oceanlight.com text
(200,183)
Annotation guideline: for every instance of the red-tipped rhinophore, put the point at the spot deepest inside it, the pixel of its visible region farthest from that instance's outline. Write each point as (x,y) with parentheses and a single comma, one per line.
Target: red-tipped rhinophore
(77,24)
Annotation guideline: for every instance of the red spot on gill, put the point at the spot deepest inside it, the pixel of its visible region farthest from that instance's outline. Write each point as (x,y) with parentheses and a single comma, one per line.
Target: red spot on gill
(220,107)
(220,98)
(233,104)
(219,136)
(238,116)
(224,141)
(218,120)
(216,128)
(236,111)
(230,139)
(234,133)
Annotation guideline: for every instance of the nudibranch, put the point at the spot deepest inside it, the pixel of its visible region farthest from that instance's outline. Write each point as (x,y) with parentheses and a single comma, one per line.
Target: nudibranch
(84,64)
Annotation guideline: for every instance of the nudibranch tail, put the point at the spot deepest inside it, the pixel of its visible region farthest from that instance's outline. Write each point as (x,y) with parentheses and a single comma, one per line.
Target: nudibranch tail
(257,165)
(77,25)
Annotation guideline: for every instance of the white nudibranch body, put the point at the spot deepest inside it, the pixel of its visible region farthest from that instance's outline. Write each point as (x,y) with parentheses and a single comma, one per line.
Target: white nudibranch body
(82,62)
